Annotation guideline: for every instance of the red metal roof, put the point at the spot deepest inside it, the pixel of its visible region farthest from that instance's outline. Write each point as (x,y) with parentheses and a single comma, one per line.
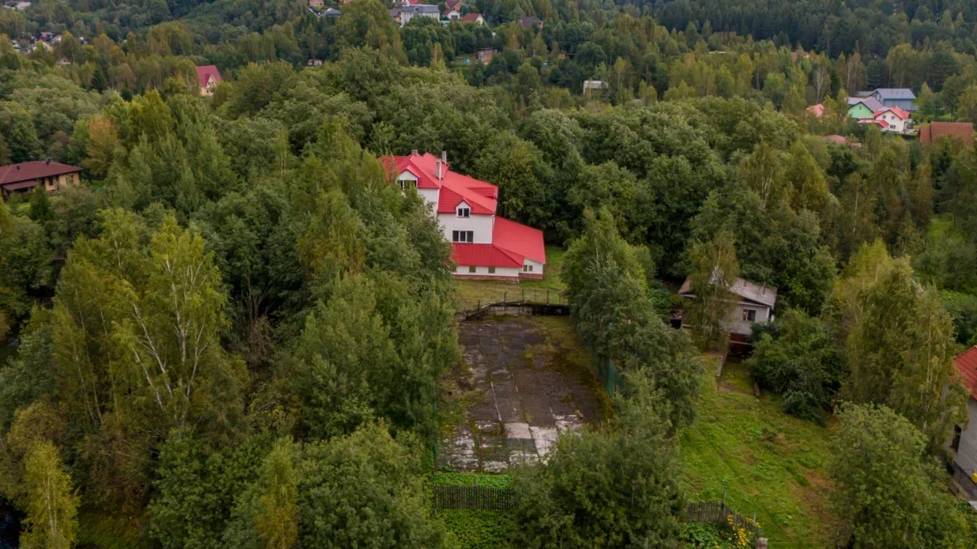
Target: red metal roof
(484,255)
(966,364)
(962,131)
(36,169)
(455,187)
(901,114)
(206,74)
(519,239)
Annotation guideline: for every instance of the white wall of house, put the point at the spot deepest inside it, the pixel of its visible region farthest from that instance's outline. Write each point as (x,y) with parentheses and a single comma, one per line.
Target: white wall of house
(532,267)
(501,272)
(430,197)
(480,225)
(739,320)
(896,124)
(966,456)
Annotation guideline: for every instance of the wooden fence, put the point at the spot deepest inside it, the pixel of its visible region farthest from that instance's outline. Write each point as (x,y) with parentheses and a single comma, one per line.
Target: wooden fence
(488,498)
(532,301)
(716,512)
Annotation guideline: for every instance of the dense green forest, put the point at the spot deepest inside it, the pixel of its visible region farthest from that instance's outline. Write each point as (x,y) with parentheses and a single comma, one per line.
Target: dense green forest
(234,332)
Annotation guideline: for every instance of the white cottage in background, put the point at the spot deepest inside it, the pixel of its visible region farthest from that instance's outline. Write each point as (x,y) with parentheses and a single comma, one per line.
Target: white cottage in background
(754,305)
(483,245)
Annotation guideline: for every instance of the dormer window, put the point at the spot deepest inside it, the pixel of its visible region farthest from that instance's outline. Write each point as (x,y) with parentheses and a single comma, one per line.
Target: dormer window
(464,211)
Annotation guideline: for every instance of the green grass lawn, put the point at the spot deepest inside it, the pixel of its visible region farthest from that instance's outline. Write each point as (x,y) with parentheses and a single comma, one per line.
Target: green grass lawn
(772,464)
(474,529)
(472,292)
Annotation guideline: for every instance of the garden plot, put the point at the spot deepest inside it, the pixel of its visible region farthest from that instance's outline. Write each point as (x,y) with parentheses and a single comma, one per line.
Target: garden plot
(526,381)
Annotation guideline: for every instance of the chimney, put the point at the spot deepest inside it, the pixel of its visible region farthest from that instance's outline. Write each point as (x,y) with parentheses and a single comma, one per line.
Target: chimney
(444,157)
(439,170)
(413,152)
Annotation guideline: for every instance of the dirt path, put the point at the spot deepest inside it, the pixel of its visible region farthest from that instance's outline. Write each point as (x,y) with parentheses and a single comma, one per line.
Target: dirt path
(527,380)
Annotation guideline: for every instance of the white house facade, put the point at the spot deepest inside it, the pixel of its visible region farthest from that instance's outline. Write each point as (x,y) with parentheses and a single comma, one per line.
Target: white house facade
(483,244)
(754,305)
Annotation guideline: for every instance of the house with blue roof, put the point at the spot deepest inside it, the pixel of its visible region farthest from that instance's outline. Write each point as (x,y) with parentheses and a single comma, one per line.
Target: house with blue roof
(904,98)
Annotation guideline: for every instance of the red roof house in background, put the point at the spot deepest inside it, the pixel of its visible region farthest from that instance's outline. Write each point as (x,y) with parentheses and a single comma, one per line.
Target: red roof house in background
(964,444)
(483,245)
(25,176)
(934,131)
(207,79)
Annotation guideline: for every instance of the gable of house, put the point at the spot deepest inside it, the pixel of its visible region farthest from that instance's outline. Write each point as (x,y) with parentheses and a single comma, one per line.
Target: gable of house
(860,110)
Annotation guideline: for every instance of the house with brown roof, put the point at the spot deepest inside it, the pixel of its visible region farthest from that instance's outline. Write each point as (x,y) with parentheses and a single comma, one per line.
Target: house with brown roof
(931,133)
(26,176)
(964,443)
(473,19)
(754,305)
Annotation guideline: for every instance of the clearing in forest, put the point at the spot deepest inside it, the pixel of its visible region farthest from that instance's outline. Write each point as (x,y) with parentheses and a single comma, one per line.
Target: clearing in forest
(769,464)
(524,381)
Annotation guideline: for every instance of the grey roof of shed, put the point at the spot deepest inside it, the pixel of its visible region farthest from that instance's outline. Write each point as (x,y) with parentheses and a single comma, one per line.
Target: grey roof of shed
(759,293)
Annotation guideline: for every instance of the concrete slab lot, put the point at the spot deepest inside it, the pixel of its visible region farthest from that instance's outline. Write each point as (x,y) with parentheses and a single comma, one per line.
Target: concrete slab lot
(526,380)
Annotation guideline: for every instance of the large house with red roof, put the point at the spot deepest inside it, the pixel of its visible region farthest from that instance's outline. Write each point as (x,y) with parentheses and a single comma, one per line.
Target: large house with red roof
(483,245)
(964,444)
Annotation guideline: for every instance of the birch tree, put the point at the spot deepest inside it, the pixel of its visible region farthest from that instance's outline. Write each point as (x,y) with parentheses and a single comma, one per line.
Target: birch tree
(52,512)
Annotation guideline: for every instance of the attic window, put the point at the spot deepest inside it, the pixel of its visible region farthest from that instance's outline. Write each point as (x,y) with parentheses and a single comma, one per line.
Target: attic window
(407,184)
(464,211)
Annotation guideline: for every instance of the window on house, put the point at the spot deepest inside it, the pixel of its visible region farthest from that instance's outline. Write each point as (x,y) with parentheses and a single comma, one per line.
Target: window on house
(407,184)
(462,236)
(527,268)
(491,270)
(464,211)
(749,315)
(471,268)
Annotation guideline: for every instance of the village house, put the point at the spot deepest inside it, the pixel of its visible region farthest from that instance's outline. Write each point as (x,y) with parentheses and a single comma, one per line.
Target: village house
(473,19)
(485,55)
(964,443)
(904,98)
(452,10)
(897,119)
(592,86)
(483,245)
(754,305)
(25,176)
(409,9)
(207,79)
(863,108)
(317,4)
(933,132)
(817,111)
(870,110)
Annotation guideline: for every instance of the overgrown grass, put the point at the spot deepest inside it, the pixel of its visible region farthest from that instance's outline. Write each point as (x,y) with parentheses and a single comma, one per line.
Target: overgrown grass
(471,292)
(479,529)
(492,480)
(767,463)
